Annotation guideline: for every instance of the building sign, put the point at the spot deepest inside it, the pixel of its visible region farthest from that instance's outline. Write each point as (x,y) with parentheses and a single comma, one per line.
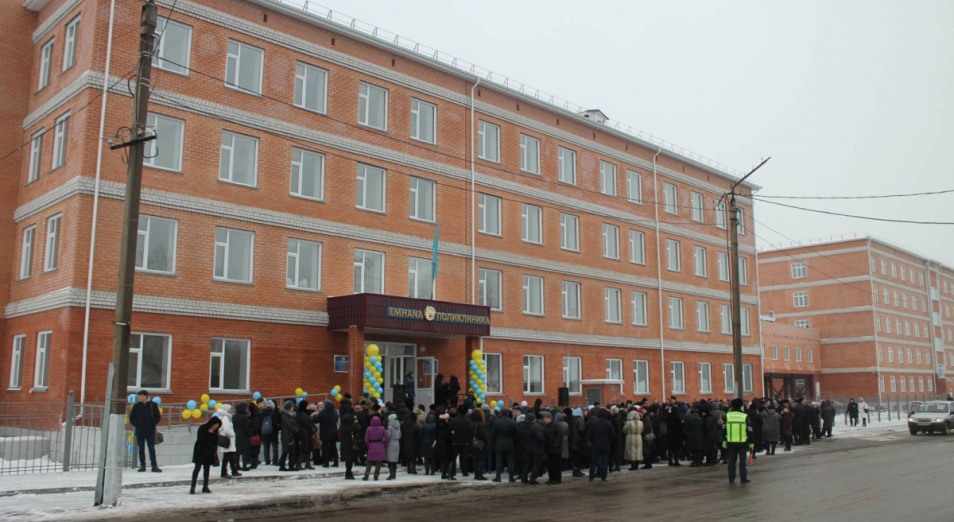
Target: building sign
(387,312)
(341,364)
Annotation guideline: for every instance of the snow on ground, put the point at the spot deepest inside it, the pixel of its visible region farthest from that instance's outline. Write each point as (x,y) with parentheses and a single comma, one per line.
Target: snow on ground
(26,466)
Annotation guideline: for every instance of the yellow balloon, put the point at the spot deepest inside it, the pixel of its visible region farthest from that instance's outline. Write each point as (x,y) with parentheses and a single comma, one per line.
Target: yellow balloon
(337,387)
(476,355)
(186,414)
(338,397)
(373,349)
(203,407)
(130,439)
(160,410)
(299,391)
(205,398)
(493,404)
(196,413)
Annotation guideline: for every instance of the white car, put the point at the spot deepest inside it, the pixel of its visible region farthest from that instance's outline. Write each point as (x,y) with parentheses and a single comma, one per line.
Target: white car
(932,416)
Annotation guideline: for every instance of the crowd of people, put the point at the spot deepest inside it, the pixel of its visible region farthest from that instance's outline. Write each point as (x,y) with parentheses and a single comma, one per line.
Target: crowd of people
(457,436)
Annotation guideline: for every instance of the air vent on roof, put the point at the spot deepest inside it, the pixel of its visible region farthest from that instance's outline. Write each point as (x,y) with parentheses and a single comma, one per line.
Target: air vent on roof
(595,115)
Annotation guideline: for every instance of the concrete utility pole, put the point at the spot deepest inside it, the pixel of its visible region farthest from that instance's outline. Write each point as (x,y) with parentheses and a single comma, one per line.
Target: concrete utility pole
(116,444)
(736,288)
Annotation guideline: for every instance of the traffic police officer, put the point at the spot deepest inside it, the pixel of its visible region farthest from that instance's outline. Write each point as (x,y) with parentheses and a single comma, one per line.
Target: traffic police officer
(736,441)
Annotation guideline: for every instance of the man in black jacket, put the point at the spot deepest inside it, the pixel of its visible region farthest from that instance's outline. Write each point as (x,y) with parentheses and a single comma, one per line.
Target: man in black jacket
(144,417)
(532,437)
(328,433)
(553,444)
(462,435)
(503,433)
(601,435)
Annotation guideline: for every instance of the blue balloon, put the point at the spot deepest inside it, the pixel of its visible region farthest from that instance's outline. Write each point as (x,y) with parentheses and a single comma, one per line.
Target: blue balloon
(257,395)
(131,398)
(157,400)
(334,392)
(304,394)
(373,359)
(212,403)
(298,399)
(191,405)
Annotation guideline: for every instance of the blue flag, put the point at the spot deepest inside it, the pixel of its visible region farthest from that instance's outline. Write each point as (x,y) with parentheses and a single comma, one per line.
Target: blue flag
(437,236)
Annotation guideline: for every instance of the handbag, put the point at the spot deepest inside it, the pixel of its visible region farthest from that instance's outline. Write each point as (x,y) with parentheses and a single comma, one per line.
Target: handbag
(255,441)
(223,441)
(315,441)
(159,438)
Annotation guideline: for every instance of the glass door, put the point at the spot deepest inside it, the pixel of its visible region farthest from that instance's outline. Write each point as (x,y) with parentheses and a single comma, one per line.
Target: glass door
(424,379)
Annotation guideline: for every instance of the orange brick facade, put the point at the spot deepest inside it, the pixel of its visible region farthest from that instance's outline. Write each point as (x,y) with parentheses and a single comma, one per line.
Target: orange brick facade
(284,328)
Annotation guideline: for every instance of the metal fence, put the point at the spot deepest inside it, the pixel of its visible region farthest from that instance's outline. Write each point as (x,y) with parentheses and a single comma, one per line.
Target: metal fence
(887,407)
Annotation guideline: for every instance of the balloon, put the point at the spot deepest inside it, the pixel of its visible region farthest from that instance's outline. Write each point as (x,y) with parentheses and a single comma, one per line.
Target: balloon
(204,407)
(338,387)
(299,391)
(186,414)
(130,439)
(257,395)
(334,392)
(477,355)
(157,400)
(131,398)
(196,413)
(205,398)
(160,410)
(191,405)
(339,397)
(493,404)
(212,404)
(304,394)
(298,400)
(373,350)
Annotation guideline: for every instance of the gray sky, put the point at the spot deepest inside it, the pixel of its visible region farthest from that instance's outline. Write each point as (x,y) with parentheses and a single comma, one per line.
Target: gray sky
(849,97)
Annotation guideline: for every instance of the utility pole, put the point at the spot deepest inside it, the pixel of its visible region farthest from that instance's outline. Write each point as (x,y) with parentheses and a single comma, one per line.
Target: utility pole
(116,442)
(736,288)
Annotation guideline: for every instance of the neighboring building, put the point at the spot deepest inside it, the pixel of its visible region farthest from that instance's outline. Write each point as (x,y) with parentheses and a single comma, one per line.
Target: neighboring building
(883,312)
(300,161)
(791,360)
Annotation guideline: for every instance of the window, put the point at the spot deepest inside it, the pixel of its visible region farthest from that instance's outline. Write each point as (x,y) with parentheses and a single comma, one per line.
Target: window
(569,232)
(887,321)
(238,159)
(741,227)
(803,323)
(41,371)
(887,296)
(798,355)
(303,265)
(614,369)
(531,223)
(884,267)
(746,325)
(800,299)
(150,356)
(532,374)
(490,288)
(420,278)
(921,278)
(914,302)
(800,270)
(16,361)
(907,328)
(671,198)
(747,382)
(894,386)
(532,295)
(702,316)
(243,67)
(423,199)
(529,154)
(489,141)
(910,358)
(911,383)
(723,266)
(607,178)
(572,374)
(173,52)
(69,45)
(678,377)
(311,89)
(918,352)
(368,272)
(637,247)
(774,352)
(423,121)
(156,245)
(872,264)
(46,58)
(634,187)
(673,261)
(26,252)
(60,143)
(897,322)
(903,277)
(699,260)
(878,323)
(894,271)
(489,207)
(611,302)
(903,387)
(233,255)
(52,243)
(788,354)
(640,315)
(890,354)
(494,364)
(164,152)
(705,378)
(675,313)
(36,155)
(641,376)
(920,384)
(610,241)
(571,300)
(371,188)
(725,315)
(720,214)
(373,106)
(743,271)
(880,354)
(229,365)
(697,210)
(567,166)
(728,377)
(917,329)
(897,302)
(876,295)
(308,174)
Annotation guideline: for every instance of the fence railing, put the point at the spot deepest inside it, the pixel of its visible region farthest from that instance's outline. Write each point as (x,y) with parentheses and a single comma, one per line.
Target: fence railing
(888,407)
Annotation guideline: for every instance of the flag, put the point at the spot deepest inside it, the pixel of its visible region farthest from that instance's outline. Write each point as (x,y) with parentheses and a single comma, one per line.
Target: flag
(437,236)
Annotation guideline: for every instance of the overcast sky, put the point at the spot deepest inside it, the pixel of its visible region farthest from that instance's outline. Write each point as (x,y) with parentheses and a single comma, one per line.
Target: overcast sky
(848,98)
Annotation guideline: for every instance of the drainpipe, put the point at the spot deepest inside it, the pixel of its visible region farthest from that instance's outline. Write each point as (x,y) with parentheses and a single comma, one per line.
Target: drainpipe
(758,282)
(473,200)
(662,341)
(99,170)
(874,319)
(933,336)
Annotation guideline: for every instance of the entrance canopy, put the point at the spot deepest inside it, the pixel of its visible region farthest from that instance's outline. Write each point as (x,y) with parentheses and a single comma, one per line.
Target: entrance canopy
(388,312)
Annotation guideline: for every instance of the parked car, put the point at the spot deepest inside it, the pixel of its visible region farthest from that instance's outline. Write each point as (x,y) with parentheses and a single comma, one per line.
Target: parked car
(932,416)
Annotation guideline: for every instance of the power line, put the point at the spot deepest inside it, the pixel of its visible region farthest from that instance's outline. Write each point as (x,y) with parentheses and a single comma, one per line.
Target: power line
(884,196)
(870,218)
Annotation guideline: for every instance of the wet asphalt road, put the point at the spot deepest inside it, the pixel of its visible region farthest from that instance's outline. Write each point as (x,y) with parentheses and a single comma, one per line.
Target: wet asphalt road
(899,478)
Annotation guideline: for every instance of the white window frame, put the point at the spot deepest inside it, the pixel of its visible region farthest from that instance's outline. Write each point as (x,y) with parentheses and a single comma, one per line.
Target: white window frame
(894,386)
(673,255)
(484,280)
(570,291)
(60,140)
(612,314)
(567,167)
(162,24)
(483,152)
(530,224)
(614,369)
(36,156)
(52,245)
(302,86)
(494,364)
(702,316)
(46,62)
(230,149)
(610,241)
(298,165)
(566,230)
(568,379)
(746,325)
(484,201)
(798,354)
(361,267)
(222,363)
(146,237)
(607,178)
(419,123)
(637,247)
(152,149)
(741,222)
(705,378)
(894,271)
(634,187)
(292,281)
(670,198)
(237,60)
(723,262)
(725,319)
(138,351)
(640,385)
(918,357)
(41,366)
(362,185)
(16,362)
(788,353)
(800,271)
(681,380)
(71,35)
(419,209)
(365,94)
(226,248)
(416,269)
(720,213)
(698,210)
(903,384)
(743,271)
(728,377)
(532,285)
(675,313)
(529,154)
(640,302)
(800,299)
(528,378)
(904,276)
(774,352)
(803,323)
(748,383)
(27,246)
(699,261)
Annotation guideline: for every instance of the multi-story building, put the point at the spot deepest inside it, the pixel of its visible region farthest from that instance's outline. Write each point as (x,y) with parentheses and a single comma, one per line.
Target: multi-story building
(790,359)
(301,171)
(883,312)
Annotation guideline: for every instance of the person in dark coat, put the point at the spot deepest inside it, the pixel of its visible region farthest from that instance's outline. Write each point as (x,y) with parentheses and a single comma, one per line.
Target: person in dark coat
(504,432)
(798,422)
(553,446)
(205,452)
(674,436)
(785,427)
(755,422)
(306,429)
(453,390)
(710,443)
(243,435)
(478,445)
(327,422)
(410,442)
(770,428)
(601,435)
(828,417)
(350,429)
(852,411)
(289,438)
(695,436)
(445,448)
(577,438)
(461,438)
(428,442)
(618,418)
(440,391)
(255,421)
(814,418)
(272,424)
(144,417)
(532,438)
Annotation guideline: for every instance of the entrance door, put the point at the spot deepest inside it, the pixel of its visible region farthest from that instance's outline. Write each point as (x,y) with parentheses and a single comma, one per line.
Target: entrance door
(424,373)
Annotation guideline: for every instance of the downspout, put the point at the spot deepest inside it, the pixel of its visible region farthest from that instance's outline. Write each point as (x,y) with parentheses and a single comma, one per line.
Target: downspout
(759,311)
(930,311)
(99,170)
(874,320)
(662,341)
(473,199)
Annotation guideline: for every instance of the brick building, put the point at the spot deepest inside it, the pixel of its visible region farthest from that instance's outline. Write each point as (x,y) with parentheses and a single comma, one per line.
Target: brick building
(790,359)
(884,313)
(299,161)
